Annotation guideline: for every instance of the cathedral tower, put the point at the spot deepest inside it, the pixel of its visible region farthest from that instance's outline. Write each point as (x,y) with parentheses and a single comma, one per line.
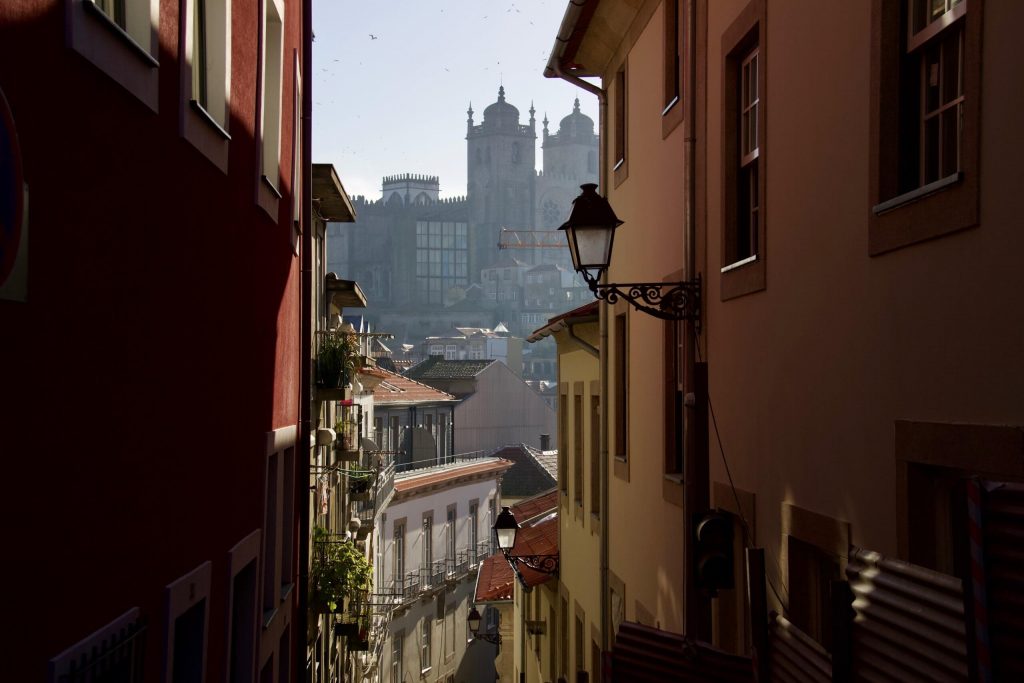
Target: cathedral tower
(501,156)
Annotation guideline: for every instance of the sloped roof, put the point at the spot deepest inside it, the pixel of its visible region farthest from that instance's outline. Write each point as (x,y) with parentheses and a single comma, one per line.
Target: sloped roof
(533,470)
(538,536)
(436,367)
(526,511)
(563,320)
(400,389)
(414,480)
(495,580)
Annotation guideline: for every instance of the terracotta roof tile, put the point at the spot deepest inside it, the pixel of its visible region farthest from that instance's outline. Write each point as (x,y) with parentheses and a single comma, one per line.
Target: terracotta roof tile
(420,478)
(538,531)
(400,389)
(495,581)
(530,508)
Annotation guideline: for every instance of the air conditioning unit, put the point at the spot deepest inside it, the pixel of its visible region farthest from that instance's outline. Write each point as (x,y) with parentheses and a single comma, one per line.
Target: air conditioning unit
(325,436)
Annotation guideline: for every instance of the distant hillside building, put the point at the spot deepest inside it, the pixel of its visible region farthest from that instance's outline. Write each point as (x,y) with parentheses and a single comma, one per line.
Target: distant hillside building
(420,258)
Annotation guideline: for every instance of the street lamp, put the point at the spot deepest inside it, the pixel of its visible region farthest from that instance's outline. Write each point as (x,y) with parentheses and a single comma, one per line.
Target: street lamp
(506,528)
(590,232)
(474,627)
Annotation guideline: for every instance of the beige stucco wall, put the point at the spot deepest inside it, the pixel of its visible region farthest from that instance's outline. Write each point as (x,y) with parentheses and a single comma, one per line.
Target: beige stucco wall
(579,528)
(645,530)
(808,376)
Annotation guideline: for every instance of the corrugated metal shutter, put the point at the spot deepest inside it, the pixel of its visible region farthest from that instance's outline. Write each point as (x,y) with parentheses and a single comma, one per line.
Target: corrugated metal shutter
(1003,526)
(795,656)
(648,655)
(909,623)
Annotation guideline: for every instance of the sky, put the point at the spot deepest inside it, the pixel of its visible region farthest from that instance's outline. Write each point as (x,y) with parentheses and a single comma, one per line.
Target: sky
(392,80)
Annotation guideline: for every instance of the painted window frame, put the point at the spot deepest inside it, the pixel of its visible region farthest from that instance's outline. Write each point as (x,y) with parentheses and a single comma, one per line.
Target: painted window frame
(743,274)
(902,212)
(202,122)
(673,64)
(125,54)
(270,101)
(620,98)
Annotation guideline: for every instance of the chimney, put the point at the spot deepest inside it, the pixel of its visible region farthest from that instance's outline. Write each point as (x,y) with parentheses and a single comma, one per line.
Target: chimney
(545,442)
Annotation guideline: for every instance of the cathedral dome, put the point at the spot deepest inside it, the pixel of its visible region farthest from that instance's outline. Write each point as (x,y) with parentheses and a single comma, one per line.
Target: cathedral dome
(501,113)
(576,124)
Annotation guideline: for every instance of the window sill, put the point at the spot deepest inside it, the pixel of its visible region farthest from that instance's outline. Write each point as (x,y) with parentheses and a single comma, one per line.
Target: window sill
(939,208)
(672,489)
(739,264)
(206,116)
(743,277)
(620,467)
(268,617)
(203,132)
(121,34)
(671,117)
(916,195)
(620,172)
(268,196)
(271,186)
(97,39)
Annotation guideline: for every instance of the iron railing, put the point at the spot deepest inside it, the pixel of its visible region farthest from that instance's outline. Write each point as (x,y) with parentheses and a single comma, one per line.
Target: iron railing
(118,660)
(441,461)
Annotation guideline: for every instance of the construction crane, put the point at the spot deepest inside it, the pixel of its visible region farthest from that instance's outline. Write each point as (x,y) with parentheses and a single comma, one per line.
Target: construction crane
(531,239)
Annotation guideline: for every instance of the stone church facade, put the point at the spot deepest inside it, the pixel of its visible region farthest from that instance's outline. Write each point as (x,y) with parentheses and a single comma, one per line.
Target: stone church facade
(419,257)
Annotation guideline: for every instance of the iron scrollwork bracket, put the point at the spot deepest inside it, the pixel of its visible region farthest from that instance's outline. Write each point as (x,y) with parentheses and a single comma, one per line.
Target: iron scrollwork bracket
(545,564)
(665,300)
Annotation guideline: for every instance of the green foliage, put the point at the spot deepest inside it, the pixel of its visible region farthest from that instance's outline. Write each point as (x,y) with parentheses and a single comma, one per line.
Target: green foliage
(339,570)
(336,358)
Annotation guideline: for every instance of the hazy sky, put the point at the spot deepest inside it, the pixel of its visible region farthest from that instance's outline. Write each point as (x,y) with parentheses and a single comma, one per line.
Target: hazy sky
(396,102)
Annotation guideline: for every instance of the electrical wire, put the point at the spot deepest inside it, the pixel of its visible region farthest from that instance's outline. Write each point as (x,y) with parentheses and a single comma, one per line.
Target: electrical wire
(732,486)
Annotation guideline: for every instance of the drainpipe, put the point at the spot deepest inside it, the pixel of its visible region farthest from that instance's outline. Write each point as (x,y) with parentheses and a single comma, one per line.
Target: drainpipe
(305,347)
(602,98)
(697,487)
(582,343)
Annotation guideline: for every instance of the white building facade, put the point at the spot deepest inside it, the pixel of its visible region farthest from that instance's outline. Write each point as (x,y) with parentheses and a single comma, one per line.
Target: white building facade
(434,535)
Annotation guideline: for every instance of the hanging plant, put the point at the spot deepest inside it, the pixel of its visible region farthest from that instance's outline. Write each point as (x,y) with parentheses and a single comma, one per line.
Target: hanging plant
(338,571)
(336,358)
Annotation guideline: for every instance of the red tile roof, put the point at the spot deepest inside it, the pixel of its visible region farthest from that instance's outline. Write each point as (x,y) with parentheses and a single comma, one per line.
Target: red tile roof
(434,476)
(495,580)
(538,536)
(527,510)
(400,389)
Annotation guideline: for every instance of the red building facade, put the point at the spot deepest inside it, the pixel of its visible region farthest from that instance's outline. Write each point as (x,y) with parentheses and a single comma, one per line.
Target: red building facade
(151,351)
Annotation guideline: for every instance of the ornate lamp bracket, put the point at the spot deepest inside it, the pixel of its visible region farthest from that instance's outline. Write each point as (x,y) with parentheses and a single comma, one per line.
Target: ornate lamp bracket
(665,300)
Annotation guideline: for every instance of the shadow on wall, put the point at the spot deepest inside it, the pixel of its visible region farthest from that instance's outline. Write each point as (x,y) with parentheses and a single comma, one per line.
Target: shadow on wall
(477,665)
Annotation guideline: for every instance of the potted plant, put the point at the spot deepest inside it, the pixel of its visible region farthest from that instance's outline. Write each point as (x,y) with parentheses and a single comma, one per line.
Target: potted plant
(336,358)
(338,571)
(359,485)
(346,447)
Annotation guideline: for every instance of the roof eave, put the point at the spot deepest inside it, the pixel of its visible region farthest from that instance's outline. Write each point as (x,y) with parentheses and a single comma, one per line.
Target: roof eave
(329,194)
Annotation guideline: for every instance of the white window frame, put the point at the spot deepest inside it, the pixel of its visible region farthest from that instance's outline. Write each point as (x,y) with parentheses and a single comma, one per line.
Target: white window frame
(127,54)
(271,91)
(205,113)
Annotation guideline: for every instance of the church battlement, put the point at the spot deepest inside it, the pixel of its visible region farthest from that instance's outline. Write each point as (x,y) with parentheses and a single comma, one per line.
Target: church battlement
(411,178)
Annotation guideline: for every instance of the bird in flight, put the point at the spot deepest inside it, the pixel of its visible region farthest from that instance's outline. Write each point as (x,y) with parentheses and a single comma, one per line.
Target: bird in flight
(373,37)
